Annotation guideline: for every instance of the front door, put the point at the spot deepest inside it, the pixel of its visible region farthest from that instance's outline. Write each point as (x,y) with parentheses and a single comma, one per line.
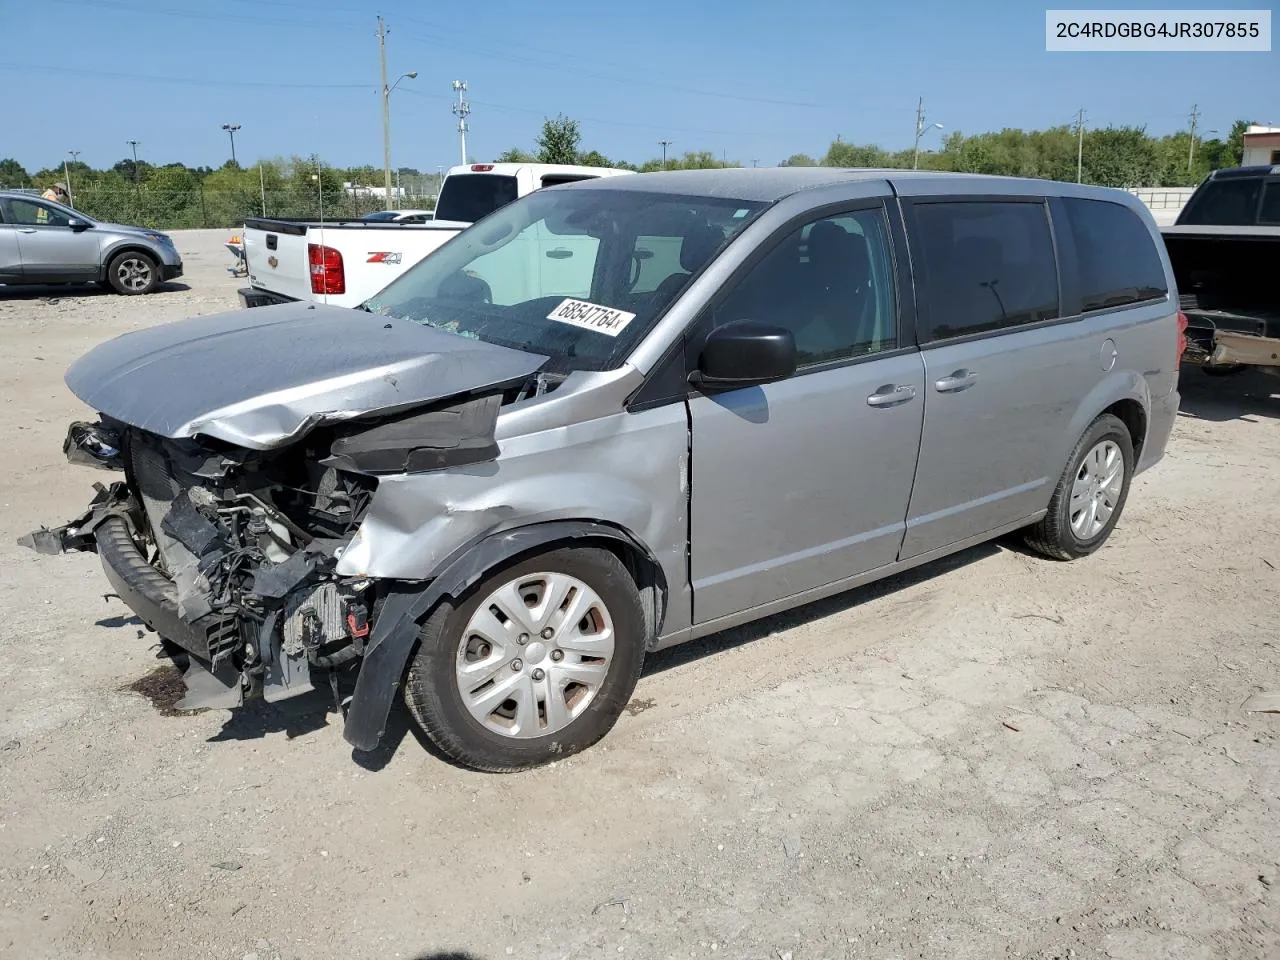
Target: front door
(10,258)
(50,248)
(1003,381)
(805,482)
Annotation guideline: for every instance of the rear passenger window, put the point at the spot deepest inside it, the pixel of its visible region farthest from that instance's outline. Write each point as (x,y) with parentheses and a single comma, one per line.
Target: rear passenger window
(1230,203)
(987,265)
(1115,253)
(1270,211)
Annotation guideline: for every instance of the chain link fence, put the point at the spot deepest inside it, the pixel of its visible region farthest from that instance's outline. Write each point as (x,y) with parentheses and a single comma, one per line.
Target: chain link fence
(199,207)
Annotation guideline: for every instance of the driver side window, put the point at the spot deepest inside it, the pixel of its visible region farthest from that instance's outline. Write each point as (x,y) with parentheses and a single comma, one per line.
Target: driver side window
(33,214)
(830,283)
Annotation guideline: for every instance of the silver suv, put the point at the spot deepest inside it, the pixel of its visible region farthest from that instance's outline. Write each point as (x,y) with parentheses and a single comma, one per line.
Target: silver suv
(616,416)
(45,242)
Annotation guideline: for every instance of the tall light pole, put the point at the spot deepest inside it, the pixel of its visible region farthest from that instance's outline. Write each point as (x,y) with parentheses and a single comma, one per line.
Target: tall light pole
(462,110)
(66,172)
(137,190)
(921,128)
(665,144)
(231,129)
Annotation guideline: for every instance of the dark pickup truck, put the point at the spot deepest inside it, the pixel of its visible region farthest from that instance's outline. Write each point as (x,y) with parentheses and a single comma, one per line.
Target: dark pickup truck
(1225,251)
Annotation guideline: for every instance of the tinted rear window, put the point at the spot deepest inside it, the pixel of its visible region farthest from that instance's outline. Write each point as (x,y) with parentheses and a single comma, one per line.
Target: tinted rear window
(473,196)
(1270,210)
(1228,203)
(988,265)
(1117,257)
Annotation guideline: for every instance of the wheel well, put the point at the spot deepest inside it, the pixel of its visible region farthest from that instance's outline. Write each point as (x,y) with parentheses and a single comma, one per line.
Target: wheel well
(1134,417)
(126,248)
(643,567)
(647,574)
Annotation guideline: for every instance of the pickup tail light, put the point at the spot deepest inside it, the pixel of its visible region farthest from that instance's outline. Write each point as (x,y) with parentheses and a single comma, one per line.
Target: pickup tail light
(481,167)
(327,273)
(1182,339)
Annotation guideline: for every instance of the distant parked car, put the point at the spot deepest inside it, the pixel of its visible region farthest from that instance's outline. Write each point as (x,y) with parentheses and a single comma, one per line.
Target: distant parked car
(400,216)
(46,242)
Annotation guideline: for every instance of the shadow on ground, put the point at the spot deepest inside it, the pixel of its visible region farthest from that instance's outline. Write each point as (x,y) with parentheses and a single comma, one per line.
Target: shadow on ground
(54,292)
(316,709)
(1239,396)
(678,656)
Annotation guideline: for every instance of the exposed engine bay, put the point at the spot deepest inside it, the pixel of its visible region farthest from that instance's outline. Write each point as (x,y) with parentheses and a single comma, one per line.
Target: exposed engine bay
(228,553)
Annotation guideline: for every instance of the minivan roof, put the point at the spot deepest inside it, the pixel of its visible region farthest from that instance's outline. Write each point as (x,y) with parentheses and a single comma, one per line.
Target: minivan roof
(769,184)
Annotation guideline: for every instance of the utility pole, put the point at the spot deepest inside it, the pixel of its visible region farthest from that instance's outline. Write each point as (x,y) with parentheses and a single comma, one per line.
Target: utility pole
(66,172)
(231,129)
(1191,152)
(921,127)
(386,111)
(665,144)
(1079,146)
(915,163)
(461,110)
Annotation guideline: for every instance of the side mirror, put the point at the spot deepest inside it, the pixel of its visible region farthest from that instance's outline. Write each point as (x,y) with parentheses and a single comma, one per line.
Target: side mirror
(75,223)
(745,354)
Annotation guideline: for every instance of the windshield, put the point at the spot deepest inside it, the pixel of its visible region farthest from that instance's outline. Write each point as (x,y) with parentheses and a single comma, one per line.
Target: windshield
(578,275)
(468,197)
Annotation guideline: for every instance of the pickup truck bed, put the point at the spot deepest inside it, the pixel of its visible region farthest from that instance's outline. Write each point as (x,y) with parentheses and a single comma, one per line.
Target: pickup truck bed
(282,261)
(1228,274)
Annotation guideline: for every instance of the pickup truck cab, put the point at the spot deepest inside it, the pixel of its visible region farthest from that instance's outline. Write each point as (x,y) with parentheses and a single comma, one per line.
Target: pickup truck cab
(1224,248)
(344,262)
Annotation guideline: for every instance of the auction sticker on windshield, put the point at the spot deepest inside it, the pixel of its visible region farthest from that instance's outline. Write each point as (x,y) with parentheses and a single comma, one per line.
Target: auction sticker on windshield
(591,316)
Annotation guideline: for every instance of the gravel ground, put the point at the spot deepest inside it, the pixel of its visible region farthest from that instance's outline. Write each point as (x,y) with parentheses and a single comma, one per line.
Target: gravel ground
(995,756)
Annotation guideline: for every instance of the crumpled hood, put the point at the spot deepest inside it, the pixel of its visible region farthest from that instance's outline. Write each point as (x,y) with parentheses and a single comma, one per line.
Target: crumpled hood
(261,378)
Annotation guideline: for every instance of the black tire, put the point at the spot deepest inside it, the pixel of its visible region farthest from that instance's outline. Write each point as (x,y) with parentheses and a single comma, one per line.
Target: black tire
(133,273)
(1053,536)
(431,688)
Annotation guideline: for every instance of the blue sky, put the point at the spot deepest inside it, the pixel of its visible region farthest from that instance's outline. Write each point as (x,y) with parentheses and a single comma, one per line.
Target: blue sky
(752,79)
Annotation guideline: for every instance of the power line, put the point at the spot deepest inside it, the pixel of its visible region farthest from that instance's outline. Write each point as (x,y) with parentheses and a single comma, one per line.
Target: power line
(629,81)
(533,111)
(195,81)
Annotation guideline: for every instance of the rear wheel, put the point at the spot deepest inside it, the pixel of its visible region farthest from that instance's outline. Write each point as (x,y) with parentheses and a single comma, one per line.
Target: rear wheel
(536,662)
(133,273)
(1090,495)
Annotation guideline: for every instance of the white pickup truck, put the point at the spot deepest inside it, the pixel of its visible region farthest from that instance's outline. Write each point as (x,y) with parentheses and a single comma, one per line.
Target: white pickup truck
(345,262)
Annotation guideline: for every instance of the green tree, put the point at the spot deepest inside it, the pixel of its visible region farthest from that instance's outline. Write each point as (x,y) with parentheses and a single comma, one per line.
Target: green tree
(594,158)
(841,154)
(1235,142)
(1120,157)
(558,142)
(12,174)
(799,160)
(515,155)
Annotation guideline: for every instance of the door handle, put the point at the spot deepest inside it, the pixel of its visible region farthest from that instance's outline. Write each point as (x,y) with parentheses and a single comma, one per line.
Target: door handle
(891,394)
(27,230)
(960,380)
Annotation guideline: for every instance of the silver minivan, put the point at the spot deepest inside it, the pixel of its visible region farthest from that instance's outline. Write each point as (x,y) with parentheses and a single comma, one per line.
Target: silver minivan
(616,416)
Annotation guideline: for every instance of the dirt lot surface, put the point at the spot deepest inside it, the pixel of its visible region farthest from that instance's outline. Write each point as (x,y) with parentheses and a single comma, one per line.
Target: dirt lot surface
(996,756)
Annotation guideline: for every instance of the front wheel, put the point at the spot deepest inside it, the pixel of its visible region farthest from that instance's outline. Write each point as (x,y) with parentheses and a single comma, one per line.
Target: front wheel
(133,273)
(1090,495)
(536,662)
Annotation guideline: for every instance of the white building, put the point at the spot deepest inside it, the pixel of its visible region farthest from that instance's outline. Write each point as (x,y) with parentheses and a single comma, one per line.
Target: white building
(1261,146)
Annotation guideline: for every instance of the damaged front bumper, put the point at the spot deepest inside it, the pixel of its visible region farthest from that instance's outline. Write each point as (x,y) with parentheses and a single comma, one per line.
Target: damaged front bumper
(204,548)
